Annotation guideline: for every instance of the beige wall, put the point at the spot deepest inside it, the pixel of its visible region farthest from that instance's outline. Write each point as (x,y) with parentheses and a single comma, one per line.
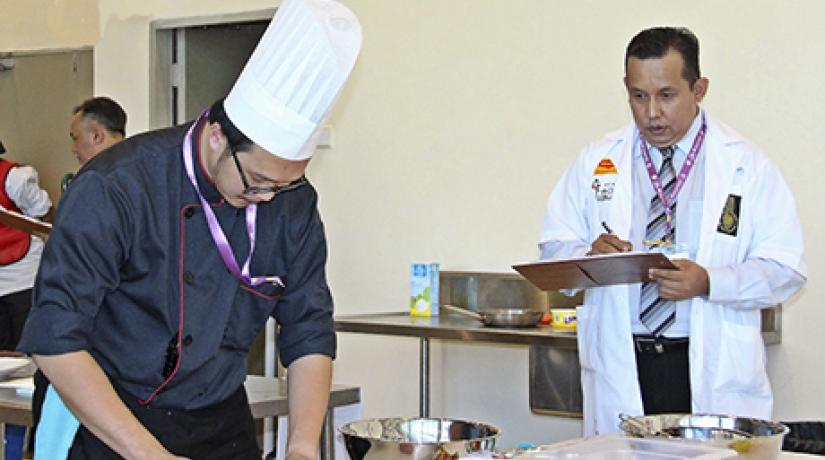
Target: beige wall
(457,122)
(36,102)
(48,24)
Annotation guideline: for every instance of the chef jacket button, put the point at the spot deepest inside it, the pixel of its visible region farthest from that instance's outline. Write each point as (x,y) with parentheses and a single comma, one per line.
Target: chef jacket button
(189,212)
(188,277)
(187,341)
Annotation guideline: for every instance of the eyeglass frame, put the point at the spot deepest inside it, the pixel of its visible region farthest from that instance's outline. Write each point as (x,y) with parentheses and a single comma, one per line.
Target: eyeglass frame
(255,190)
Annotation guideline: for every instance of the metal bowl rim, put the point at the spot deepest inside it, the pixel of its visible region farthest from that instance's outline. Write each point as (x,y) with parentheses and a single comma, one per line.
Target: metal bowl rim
(346,431)
(783,429)
(511,311)
(512,316)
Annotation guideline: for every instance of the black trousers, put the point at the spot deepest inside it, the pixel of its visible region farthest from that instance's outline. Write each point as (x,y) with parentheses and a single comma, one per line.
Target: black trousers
(14,308)
(664,374)
(225,431)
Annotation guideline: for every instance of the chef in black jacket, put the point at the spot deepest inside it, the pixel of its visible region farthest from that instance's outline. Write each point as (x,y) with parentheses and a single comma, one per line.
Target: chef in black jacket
(172,249)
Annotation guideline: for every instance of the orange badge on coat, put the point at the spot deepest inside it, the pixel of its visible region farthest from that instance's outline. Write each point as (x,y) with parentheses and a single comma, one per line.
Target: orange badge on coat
(605,166)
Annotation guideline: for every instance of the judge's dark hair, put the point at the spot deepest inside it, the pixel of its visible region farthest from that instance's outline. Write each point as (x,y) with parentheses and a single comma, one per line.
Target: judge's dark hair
(657,41)
(105,111)
(238,141)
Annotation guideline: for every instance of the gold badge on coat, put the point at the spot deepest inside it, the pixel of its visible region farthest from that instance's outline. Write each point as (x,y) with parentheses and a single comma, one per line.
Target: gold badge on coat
(729,221)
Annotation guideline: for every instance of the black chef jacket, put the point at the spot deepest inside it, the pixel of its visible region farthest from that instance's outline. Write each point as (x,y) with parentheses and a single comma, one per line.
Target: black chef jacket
(130,255)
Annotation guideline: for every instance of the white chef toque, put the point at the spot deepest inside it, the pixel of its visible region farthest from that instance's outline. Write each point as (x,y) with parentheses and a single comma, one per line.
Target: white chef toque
(285,92)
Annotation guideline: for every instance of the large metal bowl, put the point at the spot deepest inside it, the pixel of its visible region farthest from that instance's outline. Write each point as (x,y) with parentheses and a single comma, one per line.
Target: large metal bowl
(752,438)
(416,438)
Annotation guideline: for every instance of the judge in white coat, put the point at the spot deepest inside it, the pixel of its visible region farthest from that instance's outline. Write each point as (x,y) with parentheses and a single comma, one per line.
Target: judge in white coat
(689,339)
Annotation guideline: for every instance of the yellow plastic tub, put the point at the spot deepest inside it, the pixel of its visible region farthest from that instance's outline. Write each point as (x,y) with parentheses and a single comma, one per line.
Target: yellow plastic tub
(563,318)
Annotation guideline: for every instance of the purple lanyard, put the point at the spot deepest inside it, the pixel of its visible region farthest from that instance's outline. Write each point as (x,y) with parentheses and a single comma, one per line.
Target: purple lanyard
(214,227)
(680,179)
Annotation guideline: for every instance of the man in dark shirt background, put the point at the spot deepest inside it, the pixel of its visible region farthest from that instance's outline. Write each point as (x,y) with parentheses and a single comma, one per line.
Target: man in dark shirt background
(97,124)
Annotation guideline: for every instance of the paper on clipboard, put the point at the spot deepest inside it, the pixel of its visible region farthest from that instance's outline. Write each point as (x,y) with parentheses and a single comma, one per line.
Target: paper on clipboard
(592,271)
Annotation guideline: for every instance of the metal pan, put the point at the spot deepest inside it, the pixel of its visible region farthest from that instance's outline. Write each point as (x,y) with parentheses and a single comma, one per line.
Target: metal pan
(504,317)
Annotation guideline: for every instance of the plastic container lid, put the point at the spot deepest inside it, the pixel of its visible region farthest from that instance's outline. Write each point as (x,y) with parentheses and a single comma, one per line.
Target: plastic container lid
(618,447)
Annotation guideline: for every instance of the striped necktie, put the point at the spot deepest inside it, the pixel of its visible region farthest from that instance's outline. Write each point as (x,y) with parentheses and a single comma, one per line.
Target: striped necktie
(658,314)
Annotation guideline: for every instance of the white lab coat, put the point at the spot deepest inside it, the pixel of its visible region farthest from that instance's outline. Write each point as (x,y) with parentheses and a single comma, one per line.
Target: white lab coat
(727,355)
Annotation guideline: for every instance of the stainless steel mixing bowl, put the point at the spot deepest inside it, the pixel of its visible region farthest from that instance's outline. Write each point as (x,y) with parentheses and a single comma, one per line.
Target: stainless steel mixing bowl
(752,438)
(416,438)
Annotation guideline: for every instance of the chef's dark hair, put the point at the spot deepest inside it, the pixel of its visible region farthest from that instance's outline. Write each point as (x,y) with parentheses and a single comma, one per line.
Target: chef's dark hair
(236,139)
(105,111)
(655,43)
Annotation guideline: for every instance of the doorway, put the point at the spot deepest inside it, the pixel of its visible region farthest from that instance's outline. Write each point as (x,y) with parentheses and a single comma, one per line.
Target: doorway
(197,60)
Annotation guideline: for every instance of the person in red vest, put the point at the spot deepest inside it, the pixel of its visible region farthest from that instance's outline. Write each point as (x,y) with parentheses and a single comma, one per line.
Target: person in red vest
(19,251)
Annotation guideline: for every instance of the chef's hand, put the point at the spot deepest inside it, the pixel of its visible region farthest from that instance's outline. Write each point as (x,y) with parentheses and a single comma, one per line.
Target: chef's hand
(607,243)
(169,456)
(687,281)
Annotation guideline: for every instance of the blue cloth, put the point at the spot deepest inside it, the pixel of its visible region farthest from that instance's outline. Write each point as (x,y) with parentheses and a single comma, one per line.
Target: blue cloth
(15,435)
(56,429)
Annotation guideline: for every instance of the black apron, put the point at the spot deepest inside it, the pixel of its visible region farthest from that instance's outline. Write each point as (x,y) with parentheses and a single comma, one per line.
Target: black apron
(224,431)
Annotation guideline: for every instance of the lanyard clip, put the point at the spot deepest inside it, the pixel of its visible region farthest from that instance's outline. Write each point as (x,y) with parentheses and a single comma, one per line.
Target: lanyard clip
(274,280)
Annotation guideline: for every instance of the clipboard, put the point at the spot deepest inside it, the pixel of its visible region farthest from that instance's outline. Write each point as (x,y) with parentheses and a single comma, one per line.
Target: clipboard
(593,271)
(25,223)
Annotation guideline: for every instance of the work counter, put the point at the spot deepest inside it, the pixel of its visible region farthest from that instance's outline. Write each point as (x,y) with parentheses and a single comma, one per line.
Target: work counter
(450,327)
(554,367)
(267,398)
(555,387)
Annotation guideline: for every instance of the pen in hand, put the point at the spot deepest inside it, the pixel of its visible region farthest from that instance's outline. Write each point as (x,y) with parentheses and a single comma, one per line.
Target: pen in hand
(615,242)
(608,243)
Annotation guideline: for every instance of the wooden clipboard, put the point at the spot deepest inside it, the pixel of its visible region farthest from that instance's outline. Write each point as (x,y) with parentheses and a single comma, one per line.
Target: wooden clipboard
(592,271)
(25,223)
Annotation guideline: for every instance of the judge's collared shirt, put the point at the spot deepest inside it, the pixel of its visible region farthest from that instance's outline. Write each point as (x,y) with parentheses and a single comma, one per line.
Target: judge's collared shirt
(130,260)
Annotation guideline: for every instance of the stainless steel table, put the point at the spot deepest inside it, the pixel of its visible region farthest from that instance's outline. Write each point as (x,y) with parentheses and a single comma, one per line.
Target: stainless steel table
(448,327)
(267,398)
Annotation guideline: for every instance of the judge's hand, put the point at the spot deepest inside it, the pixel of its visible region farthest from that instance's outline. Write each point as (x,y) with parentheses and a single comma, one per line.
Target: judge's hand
(607,243)
(688,281)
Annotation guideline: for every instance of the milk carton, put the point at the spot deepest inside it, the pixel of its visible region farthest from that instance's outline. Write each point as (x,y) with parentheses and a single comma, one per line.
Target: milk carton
(424,290)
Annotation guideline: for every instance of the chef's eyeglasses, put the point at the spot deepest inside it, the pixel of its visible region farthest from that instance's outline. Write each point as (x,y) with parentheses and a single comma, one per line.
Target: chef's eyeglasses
(275,189)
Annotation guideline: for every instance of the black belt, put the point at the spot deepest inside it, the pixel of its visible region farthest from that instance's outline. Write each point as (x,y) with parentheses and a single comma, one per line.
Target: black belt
(659,345)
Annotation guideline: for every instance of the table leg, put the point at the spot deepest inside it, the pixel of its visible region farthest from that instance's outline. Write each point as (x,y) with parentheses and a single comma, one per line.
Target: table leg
(328,437)
(424,376)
